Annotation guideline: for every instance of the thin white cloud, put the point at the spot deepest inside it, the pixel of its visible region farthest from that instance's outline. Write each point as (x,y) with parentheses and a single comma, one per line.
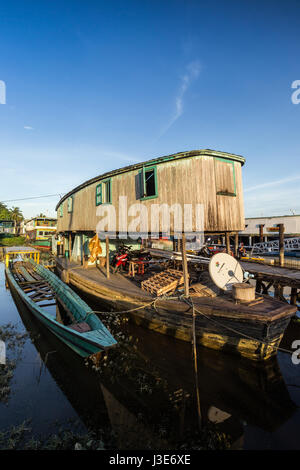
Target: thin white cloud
(272,201)
(28,128)
(192,72)
(289,179)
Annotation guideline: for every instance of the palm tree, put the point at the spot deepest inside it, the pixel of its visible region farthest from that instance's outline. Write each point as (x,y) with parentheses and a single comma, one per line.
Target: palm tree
(4,212)
(17,216)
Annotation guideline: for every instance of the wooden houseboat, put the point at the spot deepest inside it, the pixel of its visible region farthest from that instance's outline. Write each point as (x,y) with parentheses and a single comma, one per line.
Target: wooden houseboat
(208,178)
(40,230)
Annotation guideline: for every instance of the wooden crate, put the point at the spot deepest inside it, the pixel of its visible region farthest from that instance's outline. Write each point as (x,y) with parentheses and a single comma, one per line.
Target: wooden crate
(163,282)
(201,290)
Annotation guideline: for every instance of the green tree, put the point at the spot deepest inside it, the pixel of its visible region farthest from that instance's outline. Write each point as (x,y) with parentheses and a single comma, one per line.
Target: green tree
(4,212)
(16,216)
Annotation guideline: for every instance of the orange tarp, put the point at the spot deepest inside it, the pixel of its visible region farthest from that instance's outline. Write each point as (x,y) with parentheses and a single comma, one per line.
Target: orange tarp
(95,249)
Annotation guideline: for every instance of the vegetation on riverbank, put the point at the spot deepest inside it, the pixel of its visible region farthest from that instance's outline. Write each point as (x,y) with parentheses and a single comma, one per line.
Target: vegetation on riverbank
(12,241)
(21,438)
(14,342)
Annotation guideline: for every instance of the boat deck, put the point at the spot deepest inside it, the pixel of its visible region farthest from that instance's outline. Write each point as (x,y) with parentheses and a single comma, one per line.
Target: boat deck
(124,292)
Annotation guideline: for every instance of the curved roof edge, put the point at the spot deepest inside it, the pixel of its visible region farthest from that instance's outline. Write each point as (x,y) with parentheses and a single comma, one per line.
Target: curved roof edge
(135,166)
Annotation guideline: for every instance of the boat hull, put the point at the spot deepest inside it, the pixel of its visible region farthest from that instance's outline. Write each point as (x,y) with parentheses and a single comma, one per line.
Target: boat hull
(80,345)
(215,329)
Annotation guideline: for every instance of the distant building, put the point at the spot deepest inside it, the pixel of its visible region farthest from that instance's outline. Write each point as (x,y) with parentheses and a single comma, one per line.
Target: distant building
(7,226)
(269,230)
(39,231)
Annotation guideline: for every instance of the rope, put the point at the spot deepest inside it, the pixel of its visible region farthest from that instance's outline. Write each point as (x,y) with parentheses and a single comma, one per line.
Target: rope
(232,329)
(130,310)
(191,304)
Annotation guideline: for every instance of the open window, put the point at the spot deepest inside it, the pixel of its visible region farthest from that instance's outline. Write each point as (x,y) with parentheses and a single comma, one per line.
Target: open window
(103,192)
(225,177)
(149,182)
(106,192)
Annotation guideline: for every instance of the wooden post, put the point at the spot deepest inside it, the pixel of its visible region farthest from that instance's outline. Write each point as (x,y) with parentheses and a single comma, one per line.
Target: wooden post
(38,258)
(258,286)
(174,244)
(107,256)
(261,232)
(81,249)
(196,370)
(236,243)
(294,296)
(184,266)
(61,249)
(70,246)
(281,244)
(227,243)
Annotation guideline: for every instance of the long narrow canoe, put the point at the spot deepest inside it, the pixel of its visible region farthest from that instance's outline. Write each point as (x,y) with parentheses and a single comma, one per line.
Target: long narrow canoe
(37,286)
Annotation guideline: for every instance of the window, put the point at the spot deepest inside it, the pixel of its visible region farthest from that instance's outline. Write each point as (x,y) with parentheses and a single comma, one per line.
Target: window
(61,212)
(149,182)
(106,191)
(70,204)
(103,192)
(98,194)
(225,177)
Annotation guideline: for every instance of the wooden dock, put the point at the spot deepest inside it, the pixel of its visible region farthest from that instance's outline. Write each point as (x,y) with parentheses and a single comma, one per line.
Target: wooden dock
(275,277)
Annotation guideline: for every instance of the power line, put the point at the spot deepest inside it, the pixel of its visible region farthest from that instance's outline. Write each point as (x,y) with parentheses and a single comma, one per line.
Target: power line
(35,197)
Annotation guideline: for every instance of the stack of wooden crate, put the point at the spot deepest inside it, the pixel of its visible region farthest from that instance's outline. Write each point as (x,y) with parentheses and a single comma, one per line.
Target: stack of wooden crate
(163,282)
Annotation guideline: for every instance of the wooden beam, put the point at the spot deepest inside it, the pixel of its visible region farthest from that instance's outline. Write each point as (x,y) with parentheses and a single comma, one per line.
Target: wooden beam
(107,256)
(63,245)
(227,243)
(184,266)
(261,232)
(294,295)
(70,245)
(281,244)
(258,287)
(236,243)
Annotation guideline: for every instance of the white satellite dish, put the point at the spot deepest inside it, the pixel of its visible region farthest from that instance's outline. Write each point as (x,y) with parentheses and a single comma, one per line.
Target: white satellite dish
(225,271)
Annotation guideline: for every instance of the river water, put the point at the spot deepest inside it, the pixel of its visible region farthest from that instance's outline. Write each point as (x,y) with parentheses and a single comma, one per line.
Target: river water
(144,396)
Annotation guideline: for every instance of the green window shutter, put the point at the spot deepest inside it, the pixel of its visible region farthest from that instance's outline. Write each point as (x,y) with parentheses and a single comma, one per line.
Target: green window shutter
(70,204)
(98,194)
(144,192)
(61,213)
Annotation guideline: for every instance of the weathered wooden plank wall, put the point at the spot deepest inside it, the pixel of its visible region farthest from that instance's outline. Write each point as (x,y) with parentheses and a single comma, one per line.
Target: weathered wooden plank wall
(193,180)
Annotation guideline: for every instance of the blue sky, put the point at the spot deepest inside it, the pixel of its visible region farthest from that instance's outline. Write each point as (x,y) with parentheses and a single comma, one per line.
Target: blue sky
(93,86)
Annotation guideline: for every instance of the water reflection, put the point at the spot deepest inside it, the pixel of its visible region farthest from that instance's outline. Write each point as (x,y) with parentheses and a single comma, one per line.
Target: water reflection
(145,389)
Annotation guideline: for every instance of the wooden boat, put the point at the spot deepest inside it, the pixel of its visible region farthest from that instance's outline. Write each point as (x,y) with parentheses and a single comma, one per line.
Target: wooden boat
(252,330)
(40,289)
